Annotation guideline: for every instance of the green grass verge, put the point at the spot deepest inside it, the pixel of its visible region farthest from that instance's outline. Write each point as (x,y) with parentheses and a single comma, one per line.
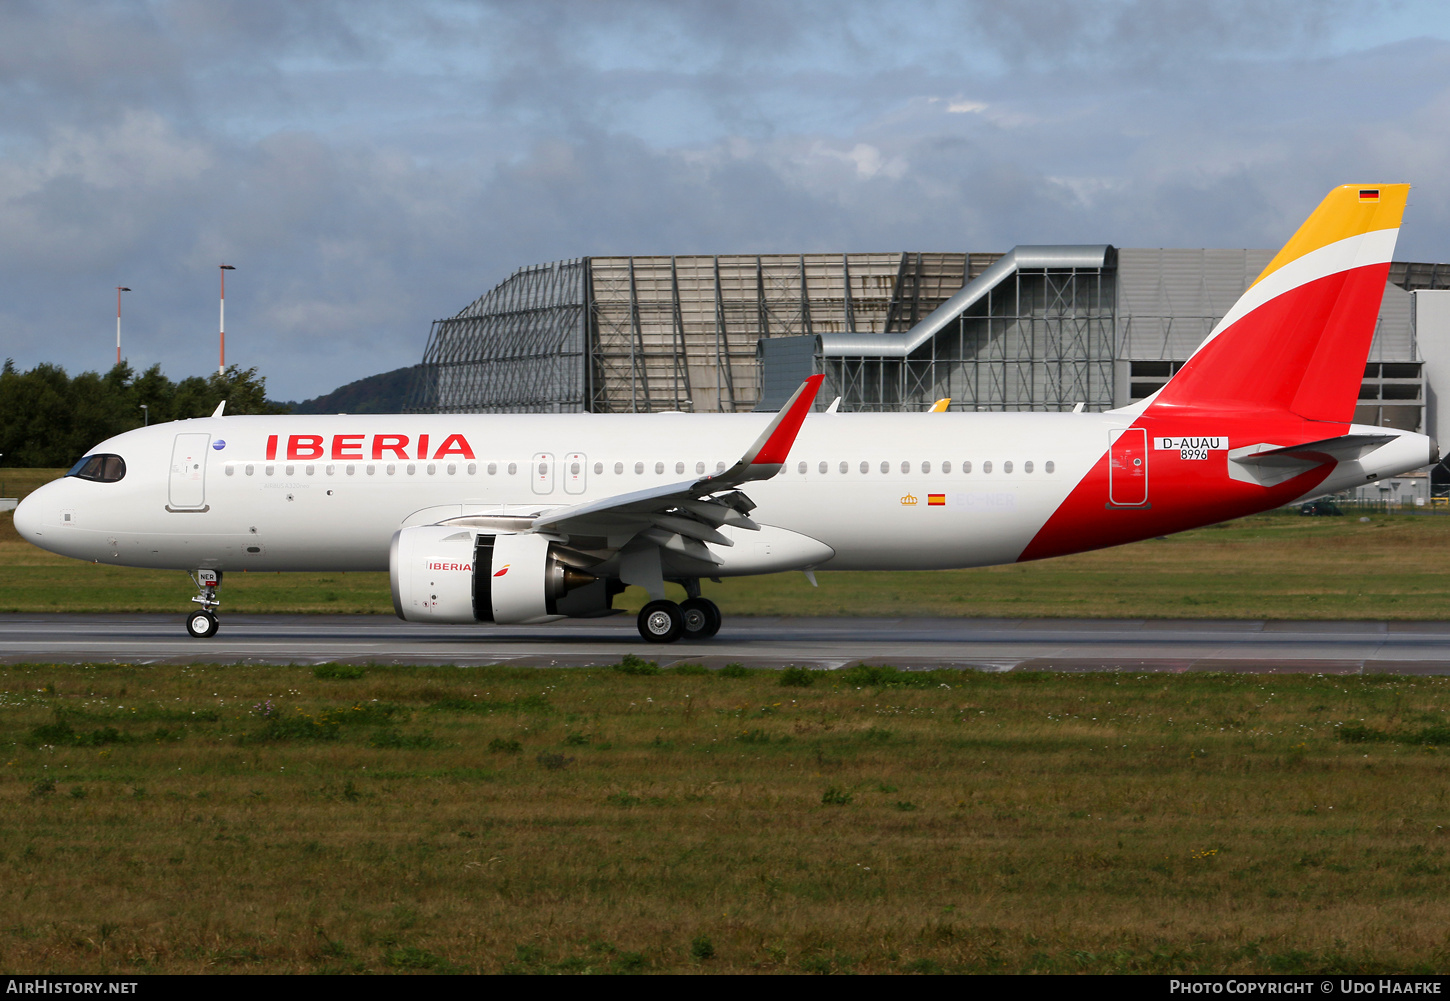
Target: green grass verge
(192,819)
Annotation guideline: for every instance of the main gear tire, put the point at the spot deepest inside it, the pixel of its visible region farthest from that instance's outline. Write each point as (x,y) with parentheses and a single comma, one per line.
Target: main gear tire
(661,622)
(702,618)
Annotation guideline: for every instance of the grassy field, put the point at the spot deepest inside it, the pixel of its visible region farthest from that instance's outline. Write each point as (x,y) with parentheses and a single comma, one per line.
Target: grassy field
(205,819)
(1271,566)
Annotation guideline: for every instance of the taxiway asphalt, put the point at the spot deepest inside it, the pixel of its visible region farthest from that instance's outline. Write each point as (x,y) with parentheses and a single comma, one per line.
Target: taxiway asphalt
(826,643)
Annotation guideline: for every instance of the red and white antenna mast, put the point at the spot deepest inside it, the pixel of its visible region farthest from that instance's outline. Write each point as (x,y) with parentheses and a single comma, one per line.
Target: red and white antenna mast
(222,322)
(119,290)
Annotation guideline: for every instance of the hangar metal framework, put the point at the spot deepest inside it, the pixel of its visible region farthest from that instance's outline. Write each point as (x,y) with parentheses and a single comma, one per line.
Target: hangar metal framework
(656,333)
(1037,328)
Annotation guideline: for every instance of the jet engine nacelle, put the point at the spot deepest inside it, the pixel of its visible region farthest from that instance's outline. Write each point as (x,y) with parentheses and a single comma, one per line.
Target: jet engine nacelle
(445,574)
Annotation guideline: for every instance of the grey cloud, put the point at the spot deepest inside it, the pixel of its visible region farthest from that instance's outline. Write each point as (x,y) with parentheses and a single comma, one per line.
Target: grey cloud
(369,172)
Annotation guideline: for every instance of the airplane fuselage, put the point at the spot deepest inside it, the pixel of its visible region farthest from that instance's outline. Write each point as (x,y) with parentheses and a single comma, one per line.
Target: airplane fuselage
(858,492)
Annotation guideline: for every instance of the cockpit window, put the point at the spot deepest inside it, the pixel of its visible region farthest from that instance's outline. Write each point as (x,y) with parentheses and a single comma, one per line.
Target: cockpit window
(100,468)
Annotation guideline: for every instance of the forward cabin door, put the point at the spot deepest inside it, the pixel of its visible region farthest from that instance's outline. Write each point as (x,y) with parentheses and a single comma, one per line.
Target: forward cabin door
(1128,467)
(188,472)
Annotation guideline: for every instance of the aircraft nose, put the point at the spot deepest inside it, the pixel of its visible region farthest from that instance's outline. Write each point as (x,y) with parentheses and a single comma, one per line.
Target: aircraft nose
(27,518)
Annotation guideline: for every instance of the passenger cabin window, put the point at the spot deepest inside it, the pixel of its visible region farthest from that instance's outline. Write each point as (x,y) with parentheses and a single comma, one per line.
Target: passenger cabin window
(99,468)
(1006,466)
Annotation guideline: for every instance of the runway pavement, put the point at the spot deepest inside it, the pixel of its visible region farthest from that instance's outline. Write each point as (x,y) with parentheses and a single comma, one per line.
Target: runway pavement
(978,644)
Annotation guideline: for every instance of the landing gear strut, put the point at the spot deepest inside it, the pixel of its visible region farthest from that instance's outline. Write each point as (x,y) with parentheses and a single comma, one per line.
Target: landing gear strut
(203,623)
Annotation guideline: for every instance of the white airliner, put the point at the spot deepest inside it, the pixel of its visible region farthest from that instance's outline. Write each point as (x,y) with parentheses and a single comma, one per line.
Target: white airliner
(529,518)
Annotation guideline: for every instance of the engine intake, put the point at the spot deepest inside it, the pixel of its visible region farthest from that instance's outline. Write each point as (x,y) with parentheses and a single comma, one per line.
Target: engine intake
(442,574)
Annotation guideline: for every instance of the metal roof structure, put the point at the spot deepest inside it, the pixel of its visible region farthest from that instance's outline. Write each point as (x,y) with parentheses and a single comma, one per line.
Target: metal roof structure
(1038,328)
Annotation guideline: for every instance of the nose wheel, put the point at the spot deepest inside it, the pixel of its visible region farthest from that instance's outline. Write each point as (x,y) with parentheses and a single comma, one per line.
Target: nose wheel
(202,624)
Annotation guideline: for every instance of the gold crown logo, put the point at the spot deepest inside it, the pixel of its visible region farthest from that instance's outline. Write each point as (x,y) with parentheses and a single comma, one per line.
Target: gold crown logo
(909,500)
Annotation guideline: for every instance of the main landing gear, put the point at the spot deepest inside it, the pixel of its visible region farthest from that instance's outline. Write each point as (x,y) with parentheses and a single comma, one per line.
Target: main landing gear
(204,623)
(696,618)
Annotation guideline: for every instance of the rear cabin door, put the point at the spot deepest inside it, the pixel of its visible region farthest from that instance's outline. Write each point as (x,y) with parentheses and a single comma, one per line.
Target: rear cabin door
(1128,467)
(188,472)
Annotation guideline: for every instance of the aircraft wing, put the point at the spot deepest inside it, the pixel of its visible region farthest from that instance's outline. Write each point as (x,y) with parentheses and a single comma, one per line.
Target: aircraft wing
(691,509)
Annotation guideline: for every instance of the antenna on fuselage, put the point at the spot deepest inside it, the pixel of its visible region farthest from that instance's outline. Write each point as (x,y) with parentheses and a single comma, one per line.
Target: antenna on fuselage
(219,408)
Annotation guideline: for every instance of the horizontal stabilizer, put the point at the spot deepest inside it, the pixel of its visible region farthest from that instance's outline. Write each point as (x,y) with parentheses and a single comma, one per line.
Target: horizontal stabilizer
(1345,448)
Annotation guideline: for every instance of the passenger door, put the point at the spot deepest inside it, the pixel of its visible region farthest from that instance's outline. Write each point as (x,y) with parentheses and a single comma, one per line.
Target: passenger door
(188,472)
(1128,467)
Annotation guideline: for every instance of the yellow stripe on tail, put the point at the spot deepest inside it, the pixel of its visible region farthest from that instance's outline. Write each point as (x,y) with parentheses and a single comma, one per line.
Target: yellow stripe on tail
(1348,210)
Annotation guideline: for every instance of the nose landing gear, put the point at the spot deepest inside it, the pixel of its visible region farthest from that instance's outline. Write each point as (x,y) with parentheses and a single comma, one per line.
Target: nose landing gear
(203,623)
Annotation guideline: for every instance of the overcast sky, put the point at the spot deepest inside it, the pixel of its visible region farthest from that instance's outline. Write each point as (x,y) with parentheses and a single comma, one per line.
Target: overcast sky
(369,167)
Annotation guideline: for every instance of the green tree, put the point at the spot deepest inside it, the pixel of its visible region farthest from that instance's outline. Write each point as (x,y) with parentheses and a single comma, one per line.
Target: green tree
(50,419)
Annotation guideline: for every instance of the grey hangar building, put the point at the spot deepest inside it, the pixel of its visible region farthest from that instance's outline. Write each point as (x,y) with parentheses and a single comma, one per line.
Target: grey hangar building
(1035,328)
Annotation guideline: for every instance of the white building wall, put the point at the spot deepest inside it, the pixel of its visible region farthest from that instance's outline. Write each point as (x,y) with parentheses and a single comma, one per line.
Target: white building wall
(1431,312)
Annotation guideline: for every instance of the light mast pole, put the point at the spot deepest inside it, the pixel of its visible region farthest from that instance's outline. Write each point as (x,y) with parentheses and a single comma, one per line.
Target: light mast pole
(119,290)
(222,322)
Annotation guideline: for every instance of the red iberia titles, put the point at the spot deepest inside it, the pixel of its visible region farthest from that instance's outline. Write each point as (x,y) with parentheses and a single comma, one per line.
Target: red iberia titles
(450,566)
(303,447)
